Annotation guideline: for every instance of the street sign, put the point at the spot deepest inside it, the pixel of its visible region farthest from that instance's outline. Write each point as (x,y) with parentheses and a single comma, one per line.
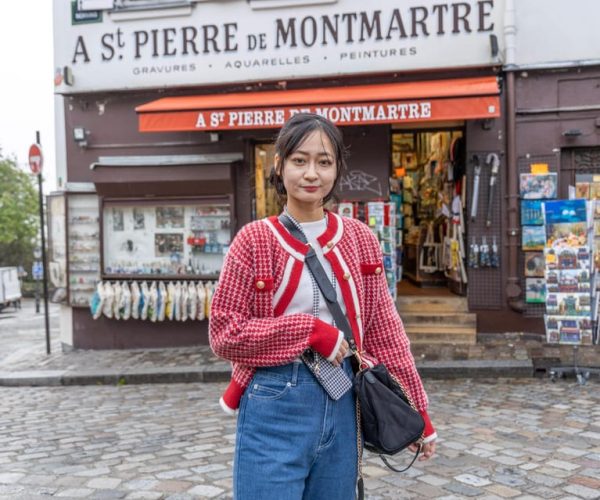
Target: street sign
(36,159)
(37,270)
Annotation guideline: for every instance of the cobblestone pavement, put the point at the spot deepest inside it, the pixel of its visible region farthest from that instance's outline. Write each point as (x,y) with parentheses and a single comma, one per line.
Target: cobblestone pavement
(23,347)
(502,438)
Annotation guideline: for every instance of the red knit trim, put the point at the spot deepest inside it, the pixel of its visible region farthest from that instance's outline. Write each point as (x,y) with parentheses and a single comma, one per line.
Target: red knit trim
(332,227)
(289,239)
(233,394)
(323,338)
(429,429)
(370,268)
(290,289)
(346,295)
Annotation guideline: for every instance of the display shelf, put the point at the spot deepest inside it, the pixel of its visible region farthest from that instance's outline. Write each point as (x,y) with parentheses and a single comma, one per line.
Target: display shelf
(83,259)
(165,238)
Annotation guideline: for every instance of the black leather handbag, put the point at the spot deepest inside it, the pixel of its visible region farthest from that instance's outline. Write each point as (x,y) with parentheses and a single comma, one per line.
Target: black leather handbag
(388,419)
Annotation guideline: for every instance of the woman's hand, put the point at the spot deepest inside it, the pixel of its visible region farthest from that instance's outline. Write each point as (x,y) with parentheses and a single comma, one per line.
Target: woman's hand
(339,357)
(427,450)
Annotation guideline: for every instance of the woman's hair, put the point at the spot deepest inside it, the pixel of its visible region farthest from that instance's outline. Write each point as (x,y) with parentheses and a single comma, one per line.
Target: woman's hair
(292,135)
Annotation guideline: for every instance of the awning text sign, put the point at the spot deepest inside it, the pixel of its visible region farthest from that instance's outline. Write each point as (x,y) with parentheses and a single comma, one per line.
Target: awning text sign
(367,113)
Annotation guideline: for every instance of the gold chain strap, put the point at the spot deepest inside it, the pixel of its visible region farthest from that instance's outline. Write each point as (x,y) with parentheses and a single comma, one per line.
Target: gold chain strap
(359,447)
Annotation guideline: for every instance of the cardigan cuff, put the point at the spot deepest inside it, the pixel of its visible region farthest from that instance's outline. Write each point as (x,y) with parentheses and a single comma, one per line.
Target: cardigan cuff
(230,401)
(429,433)
(325,339)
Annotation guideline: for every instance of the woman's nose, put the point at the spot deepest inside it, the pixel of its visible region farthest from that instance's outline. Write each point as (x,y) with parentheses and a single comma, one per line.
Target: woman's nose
(311,170)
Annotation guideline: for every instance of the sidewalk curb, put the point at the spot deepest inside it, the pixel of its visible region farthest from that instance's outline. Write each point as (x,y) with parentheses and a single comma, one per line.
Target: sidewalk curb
(193,374)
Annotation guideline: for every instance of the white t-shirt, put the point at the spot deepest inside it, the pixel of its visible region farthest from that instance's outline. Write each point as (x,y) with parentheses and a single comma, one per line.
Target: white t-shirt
(302,301)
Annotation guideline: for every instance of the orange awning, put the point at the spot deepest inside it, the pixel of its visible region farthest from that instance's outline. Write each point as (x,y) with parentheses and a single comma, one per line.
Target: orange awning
(438,100)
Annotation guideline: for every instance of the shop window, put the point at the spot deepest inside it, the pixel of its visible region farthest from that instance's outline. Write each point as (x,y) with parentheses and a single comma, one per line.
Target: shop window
(165,238)
(83,236)
(267,202)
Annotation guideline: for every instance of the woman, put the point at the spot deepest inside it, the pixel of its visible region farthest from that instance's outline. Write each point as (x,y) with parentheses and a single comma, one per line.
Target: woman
(294,441)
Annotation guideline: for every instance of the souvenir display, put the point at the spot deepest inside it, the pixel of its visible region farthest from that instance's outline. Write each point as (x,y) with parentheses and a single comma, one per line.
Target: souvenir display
(179,240)
(382,219)
(154,301)
(568,271)
(538,186)
(83,231)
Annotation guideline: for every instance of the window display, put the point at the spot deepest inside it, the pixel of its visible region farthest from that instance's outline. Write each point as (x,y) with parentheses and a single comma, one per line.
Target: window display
(84,250)
(167,238)
(57,241)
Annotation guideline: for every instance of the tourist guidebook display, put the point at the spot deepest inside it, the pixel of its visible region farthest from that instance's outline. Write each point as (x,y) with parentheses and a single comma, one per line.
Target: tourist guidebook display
(568,272)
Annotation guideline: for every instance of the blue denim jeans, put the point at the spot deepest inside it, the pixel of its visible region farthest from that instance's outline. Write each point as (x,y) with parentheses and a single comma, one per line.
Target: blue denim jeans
(293,442)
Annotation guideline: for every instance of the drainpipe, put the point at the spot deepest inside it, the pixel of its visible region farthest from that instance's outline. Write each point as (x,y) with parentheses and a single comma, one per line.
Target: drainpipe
(514,293)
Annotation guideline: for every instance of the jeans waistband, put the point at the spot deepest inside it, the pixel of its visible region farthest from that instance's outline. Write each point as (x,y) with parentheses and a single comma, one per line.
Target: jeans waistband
(297,371)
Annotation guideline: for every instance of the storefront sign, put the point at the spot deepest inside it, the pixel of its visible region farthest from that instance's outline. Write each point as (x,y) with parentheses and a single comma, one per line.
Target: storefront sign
(341,114)
(219,42)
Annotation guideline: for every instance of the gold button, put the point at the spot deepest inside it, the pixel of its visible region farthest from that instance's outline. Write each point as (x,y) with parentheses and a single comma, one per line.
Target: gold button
(330,244)
(377,270)
(260,285)
(347,276)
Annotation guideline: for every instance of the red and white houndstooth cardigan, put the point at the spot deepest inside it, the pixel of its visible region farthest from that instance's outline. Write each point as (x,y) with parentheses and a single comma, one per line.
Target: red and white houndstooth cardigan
(259,278)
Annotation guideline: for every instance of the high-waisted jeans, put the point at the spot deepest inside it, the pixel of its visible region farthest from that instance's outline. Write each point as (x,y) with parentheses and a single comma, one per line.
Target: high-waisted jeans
(293,442)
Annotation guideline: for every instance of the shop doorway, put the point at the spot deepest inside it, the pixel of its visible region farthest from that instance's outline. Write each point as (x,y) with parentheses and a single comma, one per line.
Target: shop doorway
(428,185)
(266,201)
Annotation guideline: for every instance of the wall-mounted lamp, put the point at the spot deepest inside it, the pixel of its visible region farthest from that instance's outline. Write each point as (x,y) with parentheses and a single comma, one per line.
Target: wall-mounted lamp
(494,49)
(487,123)
(80,136)
(572,132)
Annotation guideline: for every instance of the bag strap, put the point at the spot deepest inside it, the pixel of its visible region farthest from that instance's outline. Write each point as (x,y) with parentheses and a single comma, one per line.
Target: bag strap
(329,293)
(339,317)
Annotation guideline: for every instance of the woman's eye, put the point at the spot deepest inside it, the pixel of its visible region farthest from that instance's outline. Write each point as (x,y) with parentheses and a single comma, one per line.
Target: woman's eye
(326,163)
(298,161)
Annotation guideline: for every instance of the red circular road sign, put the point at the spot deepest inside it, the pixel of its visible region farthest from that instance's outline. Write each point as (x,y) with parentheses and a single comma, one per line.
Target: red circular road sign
(36,159)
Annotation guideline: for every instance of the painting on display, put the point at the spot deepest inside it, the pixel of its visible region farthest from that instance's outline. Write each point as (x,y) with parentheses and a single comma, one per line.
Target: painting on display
(534,264)
(168,244)
(538,186)
(169,217)
(531,213)
(533,238)
(535,290)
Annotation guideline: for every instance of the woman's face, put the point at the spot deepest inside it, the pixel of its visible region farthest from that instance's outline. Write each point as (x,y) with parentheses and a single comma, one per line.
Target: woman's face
(309,172)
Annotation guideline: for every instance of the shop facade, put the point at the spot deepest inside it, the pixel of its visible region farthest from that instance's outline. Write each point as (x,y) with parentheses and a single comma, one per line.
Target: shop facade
(167,127)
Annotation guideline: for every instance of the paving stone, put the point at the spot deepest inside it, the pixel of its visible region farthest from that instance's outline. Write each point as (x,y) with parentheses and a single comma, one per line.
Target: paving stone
(10,477)
(503,491)
(463,489)
(205,491)
(472,480)
(75,493)
(144,495)
(582,491)
(104,483)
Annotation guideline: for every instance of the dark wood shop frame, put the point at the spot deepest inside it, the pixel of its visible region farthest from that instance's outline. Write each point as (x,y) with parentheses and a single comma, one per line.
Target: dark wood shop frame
(163,201)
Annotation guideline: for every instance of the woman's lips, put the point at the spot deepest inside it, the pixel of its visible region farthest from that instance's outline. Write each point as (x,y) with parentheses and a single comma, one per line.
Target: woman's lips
(310,189)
